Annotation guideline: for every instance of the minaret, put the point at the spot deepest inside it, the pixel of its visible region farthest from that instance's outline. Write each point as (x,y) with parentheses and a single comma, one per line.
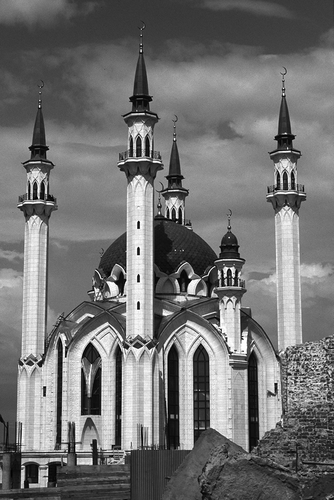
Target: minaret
(175,195)
(230,288)
(140,164)
(286,196)
(37,204)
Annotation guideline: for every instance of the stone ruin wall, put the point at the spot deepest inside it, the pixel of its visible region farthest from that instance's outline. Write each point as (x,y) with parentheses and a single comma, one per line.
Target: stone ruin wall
(307,430)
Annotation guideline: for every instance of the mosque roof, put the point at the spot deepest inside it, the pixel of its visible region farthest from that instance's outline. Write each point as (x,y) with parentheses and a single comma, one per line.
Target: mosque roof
(174,244)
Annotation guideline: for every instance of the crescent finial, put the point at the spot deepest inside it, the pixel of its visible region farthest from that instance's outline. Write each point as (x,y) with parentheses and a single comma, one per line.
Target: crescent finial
(141,28)
(175,119)
(285,71)
(162,186)
(41,85)
(283,80)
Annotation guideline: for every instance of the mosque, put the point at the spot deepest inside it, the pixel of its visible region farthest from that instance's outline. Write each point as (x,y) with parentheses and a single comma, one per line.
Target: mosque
(163,347)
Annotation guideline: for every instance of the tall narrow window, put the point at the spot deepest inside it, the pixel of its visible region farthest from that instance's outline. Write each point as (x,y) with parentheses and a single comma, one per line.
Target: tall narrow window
(173,214)
(293,181)
(29,191)
(138,278)
(59,391)
(131,147)
(167,213)
(32,473)
(236,276)
(42,191)
(147,146)
(138,146)
(180,216)
(138,305)
(201,392)
(138,224)
(91,382)
(229,277)
(253,401)
(118,398)
(278,181)
(138,250)
(184,281)
(285,181)
(34,191)
(173,429)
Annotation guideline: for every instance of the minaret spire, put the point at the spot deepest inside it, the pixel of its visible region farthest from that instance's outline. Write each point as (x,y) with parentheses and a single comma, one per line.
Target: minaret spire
(175,194)
(141,98)
(37,204)
(286,197)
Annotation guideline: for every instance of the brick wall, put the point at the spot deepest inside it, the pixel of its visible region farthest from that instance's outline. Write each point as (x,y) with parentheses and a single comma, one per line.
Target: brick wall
(307,430)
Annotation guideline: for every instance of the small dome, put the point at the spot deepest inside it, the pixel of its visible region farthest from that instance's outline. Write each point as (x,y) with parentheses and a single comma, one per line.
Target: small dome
(173,245)
(229,246)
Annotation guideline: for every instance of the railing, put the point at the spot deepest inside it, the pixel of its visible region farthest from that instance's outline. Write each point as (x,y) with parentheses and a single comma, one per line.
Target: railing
(234,282)
(48,197)
(297,187)
(155,155)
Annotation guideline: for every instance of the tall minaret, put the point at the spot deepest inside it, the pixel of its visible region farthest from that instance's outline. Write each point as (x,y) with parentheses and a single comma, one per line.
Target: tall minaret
(230,288)
(37,204)
(286,196)
(140,164)
(175,195)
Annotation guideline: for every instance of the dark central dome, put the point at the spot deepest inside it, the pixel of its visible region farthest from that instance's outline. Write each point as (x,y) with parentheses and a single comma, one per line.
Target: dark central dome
(173,244)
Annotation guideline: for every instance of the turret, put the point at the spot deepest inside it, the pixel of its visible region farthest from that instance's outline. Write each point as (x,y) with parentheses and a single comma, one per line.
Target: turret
(175,194)
(286,196)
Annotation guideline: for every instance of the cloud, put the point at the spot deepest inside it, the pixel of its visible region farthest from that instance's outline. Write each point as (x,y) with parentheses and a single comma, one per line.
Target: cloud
(255,7)
(11,297)
(32,12)
(10,255)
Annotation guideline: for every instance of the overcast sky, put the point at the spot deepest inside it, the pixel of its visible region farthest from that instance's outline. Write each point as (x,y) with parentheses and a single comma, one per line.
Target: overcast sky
(215,64)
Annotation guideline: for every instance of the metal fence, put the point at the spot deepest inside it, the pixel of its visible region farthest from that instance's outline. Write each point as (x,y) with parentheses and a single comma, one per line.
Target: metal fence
(151,470)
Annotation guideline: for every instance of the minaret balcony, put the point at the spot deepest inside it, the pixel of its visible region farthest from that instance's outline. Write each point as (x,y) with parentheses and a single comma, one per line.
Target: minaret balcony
(233,283)
(37,206)
(137,155)
(24,197)
(298,188)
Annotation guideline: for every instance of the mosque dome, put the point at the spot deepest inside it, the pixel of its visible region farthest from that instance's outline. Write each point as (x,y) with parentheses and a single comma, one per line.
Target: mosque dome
(173,245)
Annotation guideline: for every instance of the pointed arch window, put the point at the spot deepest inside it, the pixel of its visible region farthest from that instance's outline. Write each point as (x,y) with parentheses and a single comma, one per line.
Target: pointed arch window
(293,181)
(121,283)
(167,213)
(173,214)
(201,391)
(138,305)
(42,191)
(29,191)
(253,401)
(138,250)
(285,181)
(236,276)
(138,278)
(180,216)
(34,191)
(91,372)
(184,281)
(173,427)
(59,392)
(278,181)
(138,146)
(229,277)
(131,147)
(147,146)
(118,398)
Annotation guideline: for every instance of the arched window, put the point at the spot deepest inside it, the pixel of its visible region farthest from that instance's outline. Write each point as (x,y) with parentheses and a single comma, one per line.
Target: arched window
(253,401)
(201,391)
(236,276)
(138,250)
(285,181)
(278,181)
(138,146)
(293,181)
(120,283)
(138,305)
(184,281)
(34,191)
(147,146)
(59,391)
(42,191)
(138,278)
(131,147)
(229,277)
(118,398)
(173,214)
(91,382)
(173,429)
(32,473)
(29,191)
(180,216)
(138,224)
(167,213)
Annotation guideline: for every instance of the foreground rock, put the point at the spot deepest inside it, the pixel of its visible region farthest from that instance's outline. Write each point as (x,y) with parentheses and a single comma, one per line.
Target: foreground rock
(184,485)
(243,476)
